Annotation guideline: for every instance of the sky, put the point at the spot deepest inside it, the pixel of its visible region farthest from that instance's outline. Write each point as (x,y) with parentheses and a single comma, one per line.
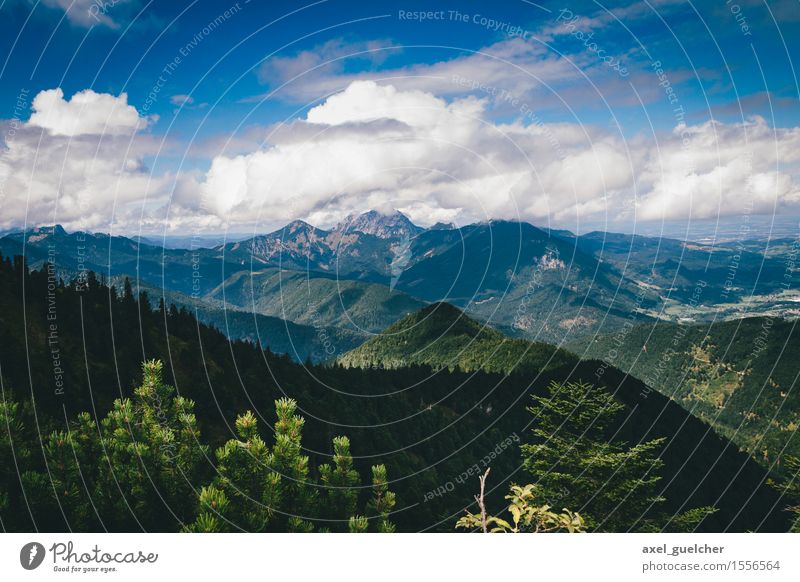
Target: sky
(218,116)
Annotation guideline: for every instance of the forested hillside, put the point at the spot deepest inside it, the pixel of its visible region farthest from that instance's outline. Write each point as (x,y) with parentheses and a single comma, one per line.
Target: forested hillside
(740,376)
(65,350)
(442,336)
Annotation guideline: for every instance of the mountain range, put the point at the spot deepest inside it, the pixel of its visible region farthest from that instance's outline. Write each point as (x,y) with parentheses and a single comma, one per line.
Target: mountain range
(373,269)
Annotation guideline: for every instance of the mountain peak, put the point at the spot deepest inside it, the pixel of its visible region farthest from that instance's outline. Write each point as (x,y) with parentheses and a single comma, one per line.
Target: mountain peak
(297,227)
(42,232)
(393,224)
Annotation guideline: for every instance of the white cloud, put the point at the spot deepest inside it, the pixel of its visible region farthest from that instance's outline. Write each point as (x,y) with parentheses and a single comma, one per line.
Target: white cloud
(376,145)
(373,145)
(715,169)
(181,100)
(87,113)
(329,58)
(79,163)
(525,69)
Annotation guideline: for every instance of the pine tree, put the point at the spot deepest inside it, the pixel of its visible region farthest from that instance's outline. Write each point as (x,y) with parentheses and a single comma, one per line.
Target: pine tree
(152,454)
(245,494)
(383,500)
(71,456)
(296,493)
(577,465)
(14,453)
(341,482)
(790,487)
(579,462)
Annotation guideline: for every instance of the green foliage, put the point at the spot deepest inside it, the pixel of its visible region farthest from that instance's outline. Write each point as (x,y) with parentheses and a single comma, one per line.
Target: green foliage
(526,516)
(213,510)
(291,464)
(358,524)
(151,443)
(790,487)
(340,481)
(261,489)
(577,463)
(442,336)
(314,300)
(383,500)
(246,491)
(14,454)
(686,522)
(143,467)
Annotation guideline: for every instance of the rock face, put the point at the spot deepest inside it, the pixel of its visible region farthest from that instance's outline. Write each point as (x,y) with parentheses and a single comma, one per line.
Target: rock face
(395,225)
(373,245)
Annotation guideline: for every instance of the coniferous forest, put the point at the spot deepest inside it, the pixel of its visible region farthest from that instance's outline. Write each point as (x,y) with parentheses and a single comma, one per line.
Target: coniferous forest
(121,416)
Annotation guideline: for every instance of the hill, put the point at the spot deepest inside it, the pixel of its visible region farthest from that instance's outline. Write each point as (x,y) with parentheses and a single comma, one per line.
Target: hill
(739,376)
(523,280)
(442,336)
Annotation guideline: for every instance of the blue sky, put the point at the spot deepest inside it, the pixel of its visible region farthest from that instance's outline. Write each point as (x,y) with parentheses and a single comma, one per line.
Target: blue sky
(214,80)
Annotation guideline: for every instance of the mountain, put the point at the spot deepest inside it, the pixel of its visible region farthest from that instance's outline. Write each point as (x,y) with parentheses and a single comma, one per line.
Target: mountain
(738,376)
(394,225)
(212,281)
(426,426)
(524,281)
(442,336)
(544,285)
(316,300)
(360,247)
(189,271)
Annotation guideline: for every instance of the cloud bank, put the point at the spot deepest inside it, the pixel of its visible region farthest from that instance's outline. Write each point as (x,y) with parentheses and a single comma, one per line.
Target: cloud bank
(373,144)
(82,162)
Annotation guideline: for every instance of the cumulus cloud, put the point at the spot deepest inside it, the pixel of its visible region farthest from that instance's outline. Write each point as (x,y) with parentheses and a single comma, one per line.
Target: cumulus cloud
(374,144)
(80,163)
(86,113)
(715,169)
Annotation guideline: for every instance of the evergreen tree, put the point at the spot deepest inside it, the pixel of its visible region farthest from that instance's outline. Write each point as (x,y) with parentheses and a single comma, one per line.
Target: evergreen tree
(383,500)
(579,462)
(153,456)
(292,465)
(258,489)
(790,487)
(341,482)
(14,453)
(246,492)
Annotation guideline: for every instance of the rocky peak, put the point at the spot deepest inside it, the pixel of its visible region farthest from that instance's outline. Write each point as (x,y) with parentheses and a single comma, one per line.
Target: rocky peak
(386,226)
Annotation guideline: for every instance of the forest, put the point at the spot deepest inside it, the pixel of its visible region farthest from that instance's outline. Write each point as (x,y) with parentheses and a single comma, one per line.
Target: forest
(123,417)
